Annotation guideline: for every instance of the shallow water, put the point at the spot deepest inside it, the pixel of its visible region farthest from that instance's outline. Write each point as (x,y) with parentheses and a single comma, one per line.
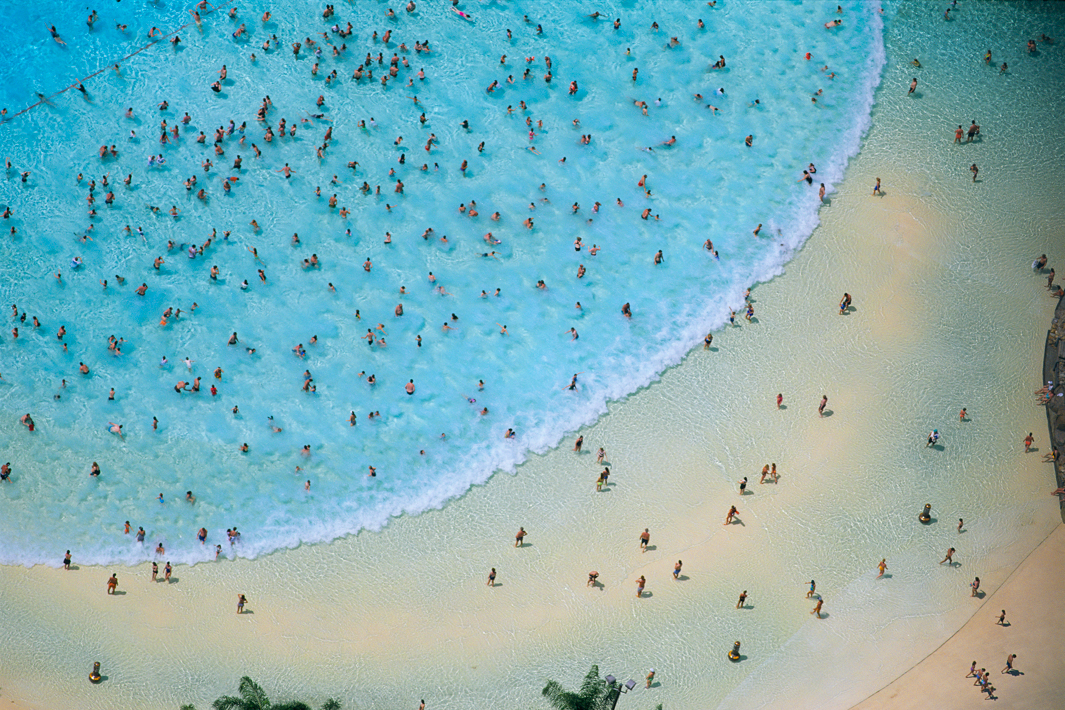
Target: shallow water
(433,445)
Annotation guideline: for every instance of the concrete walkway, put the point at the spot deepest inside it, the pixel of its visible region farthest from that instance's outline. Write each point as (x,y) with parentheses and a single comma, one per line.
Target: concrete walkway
(1035,614)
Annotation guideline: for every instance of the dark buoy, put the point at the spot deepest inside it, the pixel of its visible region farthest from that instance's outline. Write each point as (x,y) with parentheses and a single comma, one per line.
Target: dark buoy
(94,676)
(734,654)
(926,515)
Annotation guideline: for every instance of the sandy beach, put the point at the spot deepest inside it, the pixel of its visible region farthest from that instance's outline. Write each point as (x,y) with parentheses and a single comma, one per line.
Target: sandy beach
(1033,622)
(947,314)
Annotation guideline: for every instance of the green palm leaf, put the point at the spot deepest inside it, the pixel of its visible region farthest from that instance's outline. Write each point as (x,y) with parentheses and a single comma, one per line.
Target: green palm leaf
(590,697)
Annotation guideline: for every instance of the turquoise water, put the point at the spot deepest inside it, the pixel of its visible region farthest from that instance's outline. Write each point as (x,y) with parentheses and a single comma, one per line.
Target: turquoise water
(435,444)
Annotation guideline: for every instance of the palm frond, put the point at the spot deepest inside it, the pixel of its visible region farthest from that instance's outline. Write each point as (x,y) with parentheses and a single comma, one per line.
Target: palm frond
(592,688)
(253,695)
(228,702)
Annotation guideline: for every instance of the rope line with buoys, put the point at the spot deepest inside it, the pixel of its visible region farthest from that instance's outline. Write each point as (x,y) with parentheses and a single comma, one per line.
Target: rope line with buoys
(79,82)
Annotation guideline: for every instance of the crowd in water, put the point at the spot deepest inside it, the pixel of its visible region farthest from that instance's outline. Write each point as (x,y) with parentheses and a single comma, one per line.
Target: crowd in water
(174,132)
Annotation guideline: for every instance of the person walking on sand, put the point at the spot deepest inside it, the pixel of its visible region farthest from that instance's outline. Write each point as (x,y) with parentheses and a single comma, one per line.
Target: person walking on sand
(821,407)
(650,678)
(743,599)
(961,524)
(520,537)
(780,399)
(492,578)
(882,567)
(743,486)
(817,609)
(975,586)
(676,569)
(645,537)
(1028,441)
(241,601)
(112,583)
(155,570)
(949,558)
(1002,618)
(1007,669)
(813,589)
(972,670)
(876,188)
(962,414)
(640,583)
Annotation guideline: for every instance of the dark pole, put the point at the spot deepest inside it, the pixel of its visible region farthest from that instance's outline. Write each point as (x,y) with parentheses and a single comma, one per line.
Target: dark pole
(617,694)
